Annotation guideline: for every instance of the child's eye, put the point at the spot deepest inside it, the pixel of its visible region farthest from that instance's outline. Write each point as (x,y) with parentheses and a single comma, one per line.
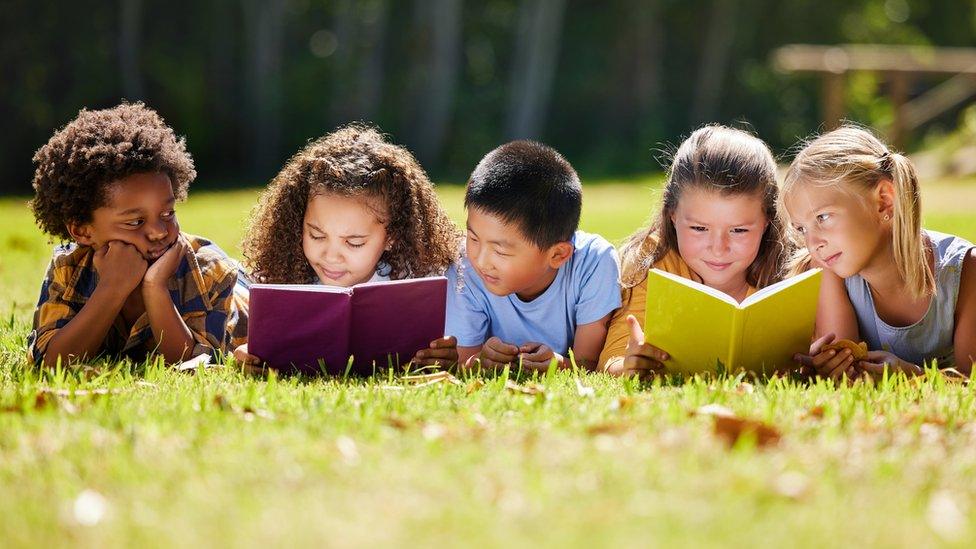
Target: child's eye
(315,236)
(133,223)
(698,228)
(739,230)
(169,214)
(800,230)
(356,244)
(822,218)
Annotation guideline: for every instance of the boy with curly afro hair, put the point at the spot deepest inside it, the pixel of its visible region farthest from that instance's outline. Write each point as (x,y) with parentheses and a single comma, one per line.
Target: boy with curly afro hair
(128,282)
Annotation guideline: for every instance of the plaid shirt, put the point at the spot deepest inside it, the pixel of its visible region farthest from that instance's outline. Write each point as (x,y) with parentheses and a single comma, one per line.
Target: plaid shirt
(208,289)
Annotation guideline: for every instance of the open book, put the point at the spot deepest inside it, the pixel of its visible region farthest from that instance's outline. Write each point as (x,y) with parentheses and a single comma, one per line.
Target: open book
(310,327)
(704,330)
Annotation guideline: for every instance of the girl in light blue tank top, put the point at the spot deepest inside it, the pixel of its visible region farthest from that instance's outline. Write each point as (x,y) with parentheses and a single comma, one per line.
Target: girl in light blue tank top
(932,336)
(857,205)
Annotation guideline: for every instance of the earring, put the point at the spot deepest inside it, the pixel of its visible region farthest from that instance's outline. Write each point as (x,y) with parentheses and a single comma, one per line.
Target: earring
(887,217)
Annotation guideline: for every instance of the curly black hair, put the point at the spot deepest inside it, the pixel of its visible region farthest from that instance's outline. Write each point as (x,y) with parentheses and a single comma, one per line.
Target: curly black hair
(354,160)
(82,160)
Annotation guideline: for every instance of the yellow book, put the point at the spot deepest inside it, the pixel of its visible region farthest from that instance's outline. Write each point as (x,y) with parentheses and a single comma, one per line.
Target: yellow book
(705,330)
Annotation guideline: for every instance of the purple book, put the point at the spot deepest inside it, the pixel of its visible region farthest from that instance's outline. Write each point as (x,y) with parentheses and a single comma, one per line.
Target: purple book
(307,327)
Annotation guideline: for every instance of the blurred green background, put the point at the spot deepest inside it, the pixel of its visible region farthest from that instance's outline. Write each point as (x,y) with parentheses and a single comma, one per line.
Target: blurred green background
(611,84)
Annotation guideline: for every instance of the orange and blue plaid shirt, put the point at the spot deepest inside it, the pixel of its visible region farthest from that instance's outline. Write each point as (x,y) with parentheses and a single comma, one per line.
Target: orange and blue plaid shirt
(208,289)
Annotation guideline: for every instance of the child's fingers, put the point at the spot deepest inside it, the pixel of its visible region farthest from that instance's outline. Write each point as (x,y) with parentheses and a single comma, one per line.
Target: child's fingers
(823,360)
(803,360)
(541,354)
(446,341)
(649,351)
(837,372)
(487,353)
(536,364)
(817,345)
(873,368)
(501,347)
(637,362)
(636,332)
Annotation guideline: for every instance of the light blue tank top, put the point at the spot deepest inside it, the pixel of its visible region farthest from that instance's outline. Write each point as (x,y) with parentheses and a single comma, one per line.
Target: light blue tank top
(932,336)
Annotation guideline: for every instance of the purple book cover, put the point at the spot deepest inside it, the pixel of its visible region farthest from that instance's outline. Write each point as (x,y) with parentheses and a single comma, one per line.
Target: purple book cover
(297,326)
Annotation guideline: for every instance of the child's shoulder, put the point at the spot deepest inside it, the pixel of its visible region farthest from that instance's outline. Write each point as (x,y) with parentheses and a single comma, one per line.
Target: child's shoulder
(592,244)
(68,256)
(209,256)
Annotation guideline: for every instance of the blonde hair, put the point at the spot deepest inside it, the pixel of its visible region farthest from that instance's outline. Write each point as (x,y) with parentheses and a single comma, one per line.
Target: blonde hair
(731,162)
(853,157)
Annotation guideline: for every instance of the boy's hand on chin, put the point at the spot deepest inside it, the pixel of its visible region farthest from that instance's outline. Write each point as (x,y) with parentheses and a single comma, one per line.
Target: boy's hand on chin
(538,356)
(441,352)
(119,265)
(159,273)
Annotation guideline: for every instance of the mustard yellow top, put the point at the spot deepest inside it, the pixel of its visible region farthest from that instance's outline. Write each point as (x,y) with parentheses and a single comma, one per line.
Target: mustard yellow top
(634,302)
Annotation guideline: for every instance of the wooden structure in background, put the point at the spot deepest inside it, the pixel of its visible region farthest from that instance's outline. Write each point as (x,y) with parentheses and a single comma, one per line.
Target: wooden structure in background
(901,66)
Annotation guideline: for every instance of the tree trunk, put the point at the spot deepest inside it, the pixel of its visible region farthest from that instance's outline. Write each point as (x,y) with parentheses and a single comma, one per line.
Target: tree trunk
(264,21)
(433,99)
(715,60)
(130,19)
(536,54)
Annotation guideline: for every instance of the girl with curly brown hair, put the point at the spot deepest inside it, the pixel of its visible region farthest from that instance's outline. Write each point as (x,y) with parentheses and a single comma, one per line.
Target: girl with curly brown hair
(350,208)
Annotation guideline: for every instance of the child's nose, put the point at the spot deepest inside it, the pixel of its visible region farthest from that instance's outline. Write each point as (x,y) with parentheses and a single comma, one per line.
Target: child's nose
(157,230)
(720,242)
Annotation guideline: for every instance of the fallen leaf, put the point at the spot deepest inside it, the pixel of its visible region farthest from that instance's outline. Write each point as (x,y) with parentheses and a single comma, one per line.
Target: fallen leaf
(423,380)
(198,362)
(263,414)
(475,385)
(623,402)
(527,389)
(955,376)
(398,423)
(608,428)
(745,388)
(221,402)
(732,428)
(80,392)
(817,412)
(714,410)
(792,485)
(583,390)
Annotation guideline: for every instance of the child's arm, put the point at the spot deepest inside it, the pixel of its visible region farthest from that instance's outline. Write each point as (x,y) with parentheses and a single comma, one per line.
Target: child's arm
(120,268)
(494,353)
(171,334)
(964,341)
(588,342)
(835,314)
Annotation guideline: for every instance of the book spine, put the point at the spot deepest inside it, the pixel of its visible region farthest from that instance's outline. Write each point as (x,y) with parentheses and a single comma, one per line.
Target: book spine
(735,341)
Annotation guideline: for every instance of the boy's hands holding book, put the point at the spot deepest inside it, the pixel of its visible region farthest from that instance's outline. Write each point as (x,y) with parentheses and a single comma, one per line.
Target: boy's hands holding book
(441,352)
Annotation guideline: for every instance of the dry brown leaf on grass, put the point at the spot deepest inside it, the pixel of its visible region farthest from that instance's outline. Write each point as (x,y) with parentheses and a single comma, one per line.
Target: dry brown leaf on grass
(398,423)
(527,389)
(745,388)
(623,402)
(80,392)
(475,385)
(607,428)
(732,428)
(424,380)
(816,412)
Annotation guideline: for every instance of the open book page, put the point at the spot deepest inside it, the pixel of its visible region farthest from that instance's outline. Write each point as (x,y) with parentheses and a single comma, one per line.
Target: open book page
(393,320)
(780,286)
(295,327)
(692,325)
(779,325)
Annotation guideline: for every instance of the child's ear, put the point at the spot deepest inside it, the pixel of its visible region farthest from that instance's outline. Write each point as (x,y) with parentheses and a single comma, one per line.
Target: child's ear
(80,233)
(559,254)
(884,195)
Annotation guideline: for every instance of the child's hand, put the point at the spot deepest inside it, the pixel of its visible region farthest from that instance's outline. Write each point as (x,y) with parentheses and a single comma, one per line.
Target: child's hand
(441,352)
(830,363)
(495,353)
(875,363)
(119,265)
(640,358)
(251,363)
(159,273)
(538,356)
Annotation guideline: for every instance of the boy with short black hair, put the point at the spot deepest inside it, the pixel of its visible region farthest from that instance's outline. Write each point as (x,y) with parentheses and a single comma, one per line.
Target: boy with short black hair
(530,285)
(130,282)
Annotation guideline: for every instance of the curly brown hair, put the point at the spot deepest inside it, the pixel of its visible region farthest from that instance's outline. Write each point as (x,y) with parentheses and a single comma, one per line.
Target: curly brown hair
(76,167)
(354,160)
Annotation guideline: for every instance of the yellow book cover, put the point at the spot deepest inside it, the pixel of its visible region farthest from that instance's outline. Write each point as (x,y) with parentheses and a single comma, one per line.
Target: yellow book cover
(705,330)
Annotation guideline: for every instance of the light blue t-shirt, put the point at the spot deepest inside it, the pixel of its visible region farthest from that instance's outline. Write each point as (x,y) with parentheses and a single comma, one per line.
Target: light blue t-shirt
(586,288)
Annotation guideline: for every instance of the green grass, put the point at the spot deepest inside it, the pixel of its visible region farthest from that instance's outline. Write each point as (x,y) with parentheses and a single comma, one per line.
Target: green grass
(219,458)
